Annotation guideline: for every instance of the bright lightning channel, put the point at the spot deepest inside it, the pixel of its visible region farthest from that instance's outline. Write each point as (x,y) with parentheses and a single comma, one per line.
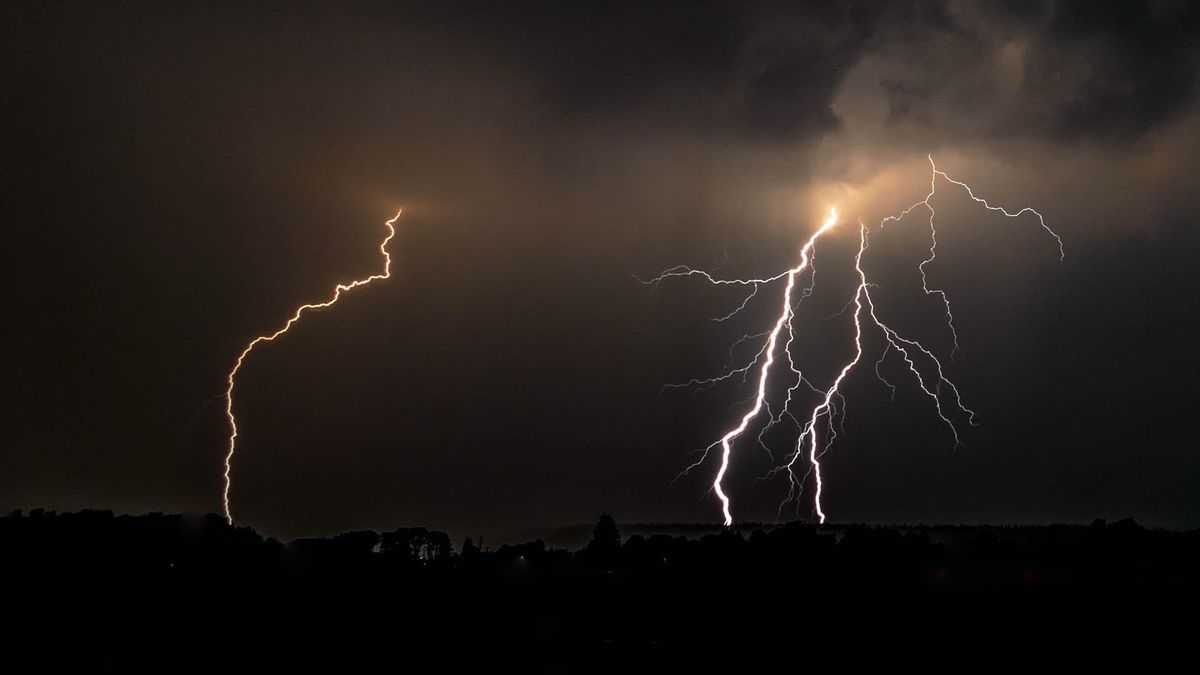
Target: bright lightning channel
(230,379)
(915,355)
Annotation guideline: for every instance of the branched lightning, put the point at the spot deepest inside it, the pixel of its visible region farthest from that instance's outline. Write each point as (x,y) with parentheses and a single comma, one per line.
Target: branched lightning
(768,350)
(230,379)
(822,422)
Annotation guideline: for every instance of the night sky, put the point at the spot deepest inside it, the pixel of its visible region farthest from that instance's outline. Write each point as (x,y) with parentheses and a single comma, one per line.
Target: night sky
(176,177)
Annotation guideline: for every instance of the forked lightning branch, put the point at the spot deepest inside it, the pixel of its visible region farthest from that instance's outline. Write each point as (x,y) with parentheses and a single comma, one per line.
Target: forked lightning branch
(817,426)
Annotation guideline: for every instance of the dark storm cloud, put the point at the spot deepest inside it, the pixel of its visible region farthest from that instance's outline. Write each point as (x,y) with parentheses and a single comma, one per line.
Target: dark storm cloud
(758,70)
(904,100)
(1109,70)
(1070,71)
(1063,71)
(1081,71)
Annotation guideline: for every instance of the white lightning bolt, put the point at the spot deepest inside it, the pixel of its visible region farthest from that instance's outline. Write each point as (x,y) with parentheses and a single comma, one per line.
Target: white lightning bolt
(768,350)
(337,294)
(927,370)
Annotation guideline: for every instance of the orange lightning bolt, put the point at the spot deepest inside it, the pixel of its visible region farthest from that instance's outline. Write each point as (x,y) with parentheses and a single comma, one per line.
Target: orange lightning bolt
(230,379)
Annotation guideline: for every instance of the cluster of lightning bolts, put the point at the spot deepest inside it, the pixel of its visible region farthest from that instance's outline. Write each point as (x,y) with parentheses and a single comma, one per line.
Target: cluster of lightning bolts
(818,428)
(230,379)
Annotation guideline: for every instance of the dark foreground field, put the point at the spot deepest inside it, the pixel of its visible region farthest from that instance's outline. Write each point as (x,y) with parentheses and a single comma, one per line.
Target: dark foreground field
(177,592)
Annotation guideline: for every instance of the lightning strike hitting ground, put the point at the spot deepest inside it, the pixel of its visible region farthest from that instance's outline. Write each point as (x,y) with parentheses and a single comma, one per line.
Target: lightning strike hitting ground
(230,379)
(926,368)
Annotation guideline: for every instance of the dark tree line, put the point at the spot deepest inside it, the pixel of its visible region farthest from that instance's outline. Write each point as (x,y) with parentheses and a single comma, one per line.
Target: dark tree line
(172,576)
(1109,555)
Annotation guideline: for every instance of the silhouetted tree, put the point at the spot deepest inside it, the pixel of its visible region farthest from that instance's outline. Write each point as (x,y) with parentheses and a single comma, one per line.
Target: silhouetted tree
(416,544)
(469,550)
(604,548)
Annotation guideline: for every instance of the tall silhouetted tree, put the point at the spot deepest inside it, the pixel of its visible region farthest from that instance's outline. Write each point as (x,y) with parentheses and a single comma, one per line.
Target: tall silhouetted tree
(602,551)
(469,550)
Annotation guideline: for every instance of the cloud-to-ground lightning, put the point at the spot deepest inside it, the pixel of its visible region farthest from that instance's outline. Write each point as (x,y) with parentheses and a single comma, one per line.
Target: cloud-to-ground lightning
(230,379)
(823,417)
